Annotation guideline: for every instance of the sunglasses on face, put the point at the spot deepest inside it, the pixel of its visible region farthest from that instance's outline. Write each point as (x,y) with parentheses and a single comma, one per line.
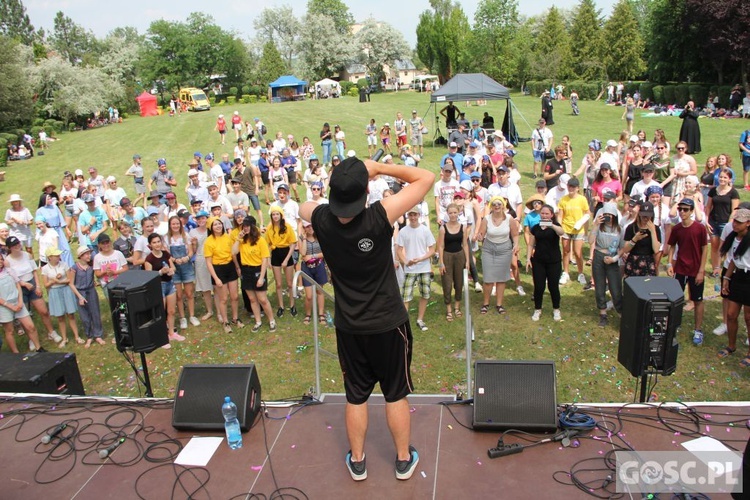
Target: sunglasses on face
(660,148)
(316,189)
(684,209)
(680,149)
(476,180)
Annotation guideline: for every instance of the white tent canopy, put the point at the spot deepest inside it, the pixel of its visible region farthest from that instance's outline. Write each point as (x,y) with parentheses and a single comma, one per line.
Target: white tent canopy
(326,84)
(423,78)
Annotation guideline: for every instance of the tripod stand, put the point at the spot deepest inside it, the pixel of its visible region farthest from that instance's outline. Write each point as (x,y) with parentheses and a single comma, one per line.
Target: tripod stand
(438,133)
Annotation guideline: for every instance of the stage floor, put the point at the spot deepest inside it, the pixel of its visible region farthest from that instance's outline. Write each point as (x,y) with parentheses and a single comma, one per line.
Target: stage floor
(307,448)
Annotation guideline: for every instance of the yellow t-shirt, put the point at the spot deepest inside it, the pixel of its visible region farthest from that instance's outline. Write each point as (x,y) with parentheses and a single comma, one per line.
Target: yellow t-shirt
(219,249)
(276,240)
(253,255)
(573,209)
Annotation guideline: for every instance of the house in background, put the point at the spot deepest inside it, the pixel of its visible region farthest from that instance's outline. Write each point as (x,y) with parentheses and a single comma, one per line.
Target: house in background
(402,71)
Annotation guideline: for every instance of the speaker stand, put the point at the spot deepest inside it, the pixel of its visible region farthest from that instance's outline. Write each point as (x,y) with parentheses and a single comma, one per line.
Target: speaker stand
(642,396)
(146,380)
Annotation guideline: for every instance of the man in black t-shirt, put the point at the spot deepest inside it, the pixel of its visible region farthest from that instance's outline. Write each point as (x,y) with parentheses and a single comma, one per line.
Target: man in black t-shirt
(373,334)
(555,168)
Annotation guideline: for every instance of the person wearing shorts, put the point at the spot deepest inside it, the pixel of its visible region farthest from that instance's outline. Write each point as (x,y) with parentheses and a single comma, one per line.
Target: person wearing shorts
(373,334)
(12,308)
(417,124)
(314,266)
(254,258)
(282,241)
(217,250)
(415,246)
(688,267)
(161,261)
(572,212)
(736,283)
(179,247)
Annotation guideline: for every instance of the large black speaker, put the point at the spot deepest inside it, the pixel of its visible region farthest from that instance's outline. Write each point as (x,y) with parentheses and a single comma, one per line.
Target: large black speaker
(515,395)
(200,394)
(651,314)
(137,307)
(40,372)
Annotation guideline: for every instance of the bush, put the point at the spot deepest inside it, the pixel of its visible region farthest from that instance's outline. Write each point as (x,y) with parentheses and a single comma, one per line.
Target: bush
(647,90)
(724,92)
(35,131)
(233,92)
(658,94)
(699,95)
(363,83)
(263,98)
(57,126)
(589,91)
(245,90)
(253,98)
(681,94)
(630,88)
(353,91)
(231,99)
(245,98)
(669,95)
(3,157)
(124,116)
(71,126)
(256,90)
(19,132)
(39,122)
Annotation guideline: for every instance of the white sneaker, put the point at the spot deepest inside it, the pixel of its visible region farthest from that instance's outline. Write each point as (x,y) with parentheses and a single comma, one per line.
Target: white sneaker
(176,336)
(478,287)
(183,324)
(556,314)
(194,321)
(537,314)
(564,278)
(54,337)
(582,279)
(521,291)
(32,347)
(721,329)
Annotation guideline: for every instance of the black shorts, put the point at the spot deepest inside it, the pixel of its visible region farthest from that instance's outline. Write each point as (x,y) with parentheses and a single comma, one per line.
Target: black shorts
(739,287)
(279,254)
(264,177)
(291,175)
(250,275)
(384,358)
(225,272)
(696,290)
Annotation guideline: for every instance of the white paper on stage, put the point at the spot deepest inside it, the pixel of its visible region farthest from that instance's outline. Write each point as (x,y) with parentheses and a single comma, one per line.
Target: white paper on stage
(198,451)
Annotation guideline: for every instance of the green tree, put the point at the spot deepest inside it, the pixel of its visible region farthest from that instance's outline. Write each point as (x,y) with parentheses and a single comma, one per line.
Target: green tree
(586,35)
(271,65)
(552,56)
(495,26)
(625,47)
(16,106)
(280,27)
(72,41)
(15,22)
(379,44)
(443,38)
(323,55)
(336,10)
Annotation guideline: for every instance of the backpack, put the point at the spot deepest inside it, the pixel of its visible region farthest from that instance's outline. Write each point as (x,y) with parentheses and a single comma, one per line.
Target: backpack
(746,135)
(263,129)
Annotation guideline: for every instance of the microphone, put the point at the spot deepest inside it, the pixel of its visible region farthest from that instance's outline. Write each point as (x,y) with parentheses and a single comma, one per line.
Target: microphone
(108,451)
(57,430)
(378,154)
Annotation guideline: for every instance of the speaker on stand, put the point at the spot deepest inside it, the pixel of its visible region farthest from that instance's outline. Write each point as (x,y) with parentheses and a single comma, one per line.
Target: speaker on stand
(651,315)
(138,316)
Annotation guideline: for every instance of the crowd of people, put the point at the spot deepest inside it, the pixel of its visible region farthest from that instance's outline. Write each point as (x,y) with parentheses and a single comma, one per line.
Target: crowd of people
(621,210)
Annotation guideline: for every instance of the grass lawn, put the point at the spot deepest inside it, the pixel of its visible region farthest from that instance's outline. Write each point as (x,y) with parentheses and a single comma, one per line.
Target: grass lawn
(586,355)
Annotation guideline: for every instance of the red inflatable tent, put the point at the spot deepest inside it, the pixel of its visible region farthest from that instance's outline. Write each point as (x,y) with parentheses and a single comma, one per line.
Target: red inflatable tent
(147,102)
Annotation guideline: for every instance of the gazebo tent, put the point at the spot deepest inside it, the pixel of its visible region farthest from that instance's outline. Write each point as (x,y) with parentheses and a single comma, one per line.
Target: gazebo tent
(147,103)
(287,88)
(477,86)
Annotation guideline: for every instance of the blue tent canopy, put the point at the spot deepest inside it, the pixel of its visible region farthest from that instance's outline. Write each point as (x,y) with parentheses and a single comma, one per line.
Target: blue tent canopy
(287,88)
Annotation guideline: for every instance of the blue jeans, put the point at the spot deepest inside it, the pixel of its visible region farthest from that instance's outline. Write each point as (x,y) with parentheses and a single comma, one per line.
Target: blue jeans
(184,273)
(340,149)
(326,151)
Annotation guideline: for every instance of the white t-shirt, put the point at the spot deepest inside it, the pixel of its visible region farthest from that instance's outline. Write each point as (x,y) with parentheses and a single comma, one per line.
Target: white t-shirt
(109,262)
(415,241)
(541,138)
(511,192)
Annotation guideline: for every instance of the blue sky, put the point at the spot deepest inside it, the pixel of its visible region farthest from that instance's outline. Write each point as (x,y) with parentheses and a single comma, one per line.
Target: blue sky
(102,16)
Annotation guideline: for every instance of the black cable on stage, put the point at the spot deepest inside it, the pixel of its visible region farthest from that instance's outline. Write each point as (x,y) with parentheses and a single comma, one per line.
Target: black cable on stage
(178,481)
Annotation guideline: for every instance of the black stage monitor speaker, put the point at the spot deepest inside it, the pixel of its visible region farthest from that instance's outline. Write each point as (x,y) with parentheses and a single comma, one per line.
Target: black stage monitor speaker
(137,307)
(515,395)
(40,372)
(200,394)
(651,314)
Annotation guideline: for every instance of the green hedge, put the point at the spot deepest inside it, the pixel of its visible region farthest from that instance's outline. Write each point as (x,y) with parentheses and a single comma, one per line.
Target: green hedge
(681,94)
(35,131)
(231,99)
(263,98)
(669,95)
(233,92)
(253,98)
(245,98)
(724,92)
(658,93)
(245,89)
(71,126)
(587,91)
(9,138)
(699,95)
(38,122)
(345,86)
(353,91)
(647,90)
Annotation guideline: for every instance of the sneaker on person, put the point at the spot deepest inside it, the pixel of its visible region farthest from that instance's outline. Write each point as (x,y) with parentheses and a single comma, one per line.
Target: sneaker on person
(272,326)
(194,321)
(176,336)
(603,321)
(588,286)
(405,468)
(478,287)
(697,337)
(537,314)
(227,328)
(32,347)
(521,291)
(54,337)
(721,329)
(358,470)
(256,327)
(183,324)
(422,326)
(556,315)
(564,278)
(582,279)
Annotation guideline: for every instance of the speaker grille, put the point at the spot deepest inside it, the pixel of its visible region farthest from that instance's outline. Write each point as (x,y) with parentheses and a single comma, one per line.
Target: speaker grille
(201,391)
(515,394)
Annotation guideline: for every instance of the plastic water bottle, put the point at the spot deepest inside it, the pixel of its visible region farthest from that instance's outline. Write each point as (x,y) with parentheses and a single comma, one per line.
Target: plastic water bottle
(329,319)
(231,424)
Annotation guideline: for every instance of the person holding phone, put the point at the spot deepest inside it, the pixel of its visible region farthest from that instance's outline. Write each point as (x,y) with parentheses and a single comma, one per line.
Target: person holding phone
(545,260)
(604,241)
(642,243)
